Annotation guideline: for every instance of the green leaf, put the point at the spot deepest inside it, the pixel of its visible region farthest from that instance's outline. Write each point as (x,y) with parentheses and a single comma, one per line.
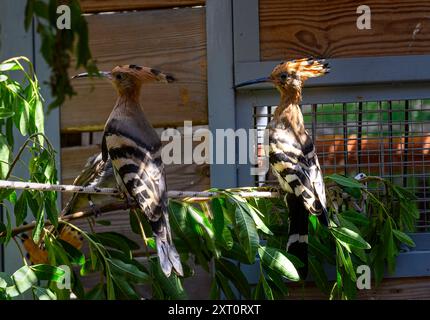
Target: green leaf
(103,222)
(4,113)
(218,217)
(227,238)
(247,233)
(5,156)
(390,247)
(224,285)
(171,286)
(344,181)
(236,252)
(75,255)
(347,224)
(242,204)
(235,275)
(346,261)
(117,241)
(258,293)
(5,280)
(355,217)
(47,272)
(201,220)
(267,290)
(350,237)
(319,275)
(7,228)
(349,287)
(51,208)
(128,271)
(23,279)
(198,217)
(178,222)
(214,293)
(277,261)
(258,222)
(8,66)
(110,289)
(321,251)
(40,222)
(24,117)
(44,293)
(313,219)
(134,222)
(96,293)
(3,77)
(277,280)
(404,238)
(20,209)
(39,119)
(125,289)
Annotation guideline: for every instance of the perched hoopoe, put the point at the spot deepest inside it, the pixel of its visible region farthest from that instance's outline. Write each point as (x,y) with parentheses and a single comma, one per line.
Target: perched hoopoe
(134,147)
(292,152)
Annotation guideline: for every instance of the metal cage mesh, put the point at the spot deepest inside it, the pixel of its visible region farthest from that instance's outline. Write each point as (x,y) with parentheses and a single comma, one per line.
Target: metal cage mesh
(390,139)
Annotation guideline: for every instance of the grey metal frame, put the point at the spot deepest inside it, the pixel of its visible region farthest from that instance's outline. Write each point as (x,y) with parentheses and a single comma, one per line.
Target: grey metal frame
(352,79)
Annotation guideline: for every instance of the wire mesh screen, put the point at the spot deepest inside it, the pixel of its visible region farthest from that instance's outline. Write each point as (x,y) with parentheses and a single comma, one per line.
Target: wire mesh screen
(390,139)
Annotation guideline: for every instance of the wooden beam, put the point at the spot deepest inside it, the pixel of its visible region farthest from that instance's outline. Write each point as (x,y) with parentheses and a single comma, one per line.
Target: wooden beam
(170,40)
(114,5)
(390,289)
(291,29)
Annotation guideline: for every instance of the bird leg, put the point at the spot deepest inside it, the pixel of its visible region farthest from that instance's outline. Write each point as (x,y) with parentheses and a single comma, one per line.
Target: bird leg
(94,208)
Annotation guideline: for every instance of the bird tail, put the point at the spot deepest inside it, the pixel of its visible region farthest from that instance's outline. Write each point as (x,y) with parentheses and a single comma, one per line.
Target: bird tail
(298,232)
(167,253)
(309,67)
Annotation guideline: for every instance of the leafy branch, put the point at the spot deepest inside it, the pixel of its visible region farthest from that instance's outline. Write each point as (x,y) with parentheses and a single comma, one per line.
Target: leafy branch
(59,46)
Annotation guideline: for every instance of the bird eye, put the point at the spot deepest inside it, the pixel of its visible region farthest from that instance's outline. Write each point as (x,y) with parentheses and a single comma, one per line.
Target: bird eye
(118,76)
(283,76)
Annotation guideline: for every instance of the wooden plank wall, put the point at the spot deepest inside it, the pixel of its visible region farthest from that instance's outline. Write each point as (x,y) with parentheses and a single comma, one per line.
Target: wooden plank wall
(291,29)
(115,5)
(390,289)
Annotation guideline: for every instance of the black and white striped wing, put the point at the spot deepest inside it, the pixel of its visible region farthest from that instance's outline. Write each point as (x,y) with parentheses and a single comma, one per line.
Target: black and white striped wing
(297,169)
(140,172)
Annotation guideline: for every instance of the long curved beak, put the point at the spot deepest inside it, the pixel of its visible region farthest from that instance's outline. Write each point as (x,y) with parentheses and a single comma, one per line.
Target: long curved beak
(250,82)
(102,74)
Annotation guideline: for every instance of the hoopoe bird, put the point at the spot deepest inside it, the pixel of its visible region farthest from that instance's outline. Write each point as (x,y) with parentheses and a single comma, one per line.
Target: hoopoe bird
(96,173)
(292,154)
(134,148)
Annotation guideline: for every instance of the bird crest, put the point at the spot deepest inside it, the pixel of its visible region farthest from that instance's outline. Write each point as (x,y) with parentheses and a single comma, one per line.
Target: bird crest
(301,68)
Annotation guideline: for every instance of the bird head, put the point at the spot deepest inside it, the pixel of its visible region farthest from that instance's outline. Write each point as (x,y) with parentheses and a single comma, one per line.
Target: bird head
(128,79)
(289,75)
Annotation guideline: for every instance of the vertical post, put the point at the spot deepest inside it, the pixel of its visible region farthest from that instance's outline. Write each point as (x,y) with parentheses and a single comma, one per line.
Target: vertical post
(359,133)
(345,137)
(406,145)
(221,104)
(390,133)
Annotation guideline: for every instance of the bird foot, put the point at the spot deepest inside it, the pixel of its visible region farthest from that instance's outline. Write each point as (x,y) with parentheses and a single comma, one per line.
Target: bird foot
(96,211)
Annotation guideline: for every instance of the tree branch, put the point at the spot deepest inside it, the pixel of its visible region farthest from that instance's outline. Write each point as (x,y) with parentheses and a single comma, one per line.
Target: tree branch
(75,216)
